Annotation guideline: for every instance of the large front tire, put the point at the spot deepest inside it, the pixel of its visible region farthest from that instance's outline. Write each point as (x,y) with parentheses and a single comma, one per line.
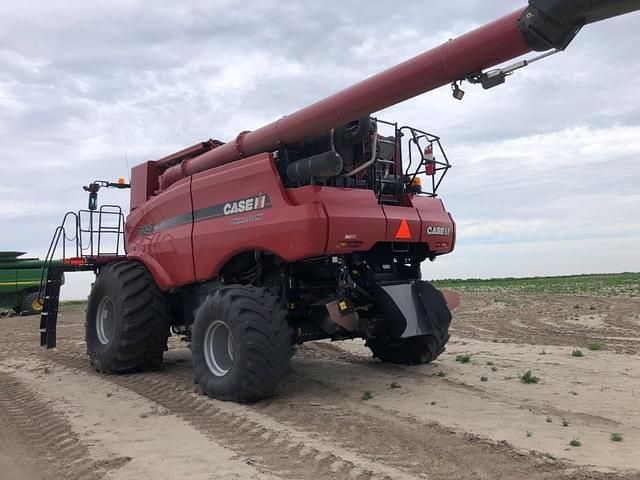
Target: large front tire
(241,344)
(127,322)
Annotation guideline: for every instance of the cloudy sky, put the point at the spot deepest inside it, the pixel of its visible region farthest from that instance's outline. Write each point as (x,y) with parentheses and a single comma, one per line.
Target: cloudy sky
(546,167)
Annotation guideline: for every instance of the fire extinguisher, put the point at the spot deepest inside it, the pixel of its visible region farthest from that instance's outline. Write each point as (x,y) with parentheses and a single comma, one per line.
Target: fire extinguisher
(430,164)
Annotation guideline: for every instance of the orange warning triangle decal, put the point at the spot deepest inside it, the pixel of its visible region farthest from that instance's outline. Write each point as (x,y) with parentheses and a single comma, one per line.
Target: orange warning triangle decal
(403,232)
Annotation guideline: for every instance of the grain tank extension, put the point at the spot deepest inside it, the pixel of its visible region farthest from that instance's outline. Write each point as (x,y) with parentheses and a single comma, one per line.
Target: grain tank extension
(311,227)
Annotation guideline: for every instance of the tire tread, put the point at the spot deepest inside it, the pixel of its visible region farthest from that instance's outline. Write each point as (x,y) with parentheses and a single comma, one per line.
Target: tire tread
(267,346)
(144,324)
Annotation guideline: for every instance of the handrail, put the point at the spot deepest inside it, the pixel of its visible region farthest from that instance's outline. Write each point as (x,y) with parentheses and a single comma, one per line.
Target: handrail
(86,248)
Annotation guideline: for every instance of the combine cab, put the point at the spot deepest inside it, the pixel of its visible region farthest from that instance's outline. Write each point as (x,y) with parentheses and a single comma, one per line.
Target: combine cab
(312,227)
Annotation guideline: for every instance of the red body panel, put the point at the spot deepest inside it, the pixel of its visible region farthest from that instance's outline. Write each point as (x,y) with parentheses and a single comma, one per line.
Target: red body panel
(188,233)
(290,231)
(433,214)
(166,251)
(144,177)
(354,216)
(395,216)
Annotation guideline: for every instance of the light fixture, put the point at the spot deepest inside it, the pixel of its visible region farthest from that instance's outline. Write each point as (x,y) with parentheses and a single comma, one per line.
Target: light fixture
(458,93)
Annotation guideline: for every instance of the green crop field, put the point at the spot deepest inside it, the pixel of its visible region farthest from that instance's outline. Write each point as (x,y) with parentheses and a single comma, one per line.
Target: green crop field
(627,284)
(73,305)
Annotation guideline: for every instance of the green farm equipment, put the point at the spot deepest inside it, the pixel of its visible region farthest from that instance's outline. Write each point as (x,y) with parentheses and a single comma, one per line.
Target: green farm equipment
(20,282)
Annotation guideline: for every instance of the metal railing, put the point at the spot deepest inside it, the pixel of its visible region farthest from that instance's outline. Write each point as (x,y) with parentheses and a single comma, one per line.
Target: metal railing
(409,161)
(82,234)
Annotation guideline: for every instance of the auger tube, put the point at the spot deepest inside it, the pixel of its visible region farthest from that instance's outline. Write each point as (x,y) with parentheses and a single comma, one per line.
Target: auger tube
(542,25)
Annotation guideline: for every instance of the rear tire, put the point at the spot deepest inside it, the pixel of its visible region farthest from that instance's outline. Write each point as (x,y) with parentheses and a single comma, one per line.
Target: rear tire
(241,344)
(127,322)
(31,305)
(409,351)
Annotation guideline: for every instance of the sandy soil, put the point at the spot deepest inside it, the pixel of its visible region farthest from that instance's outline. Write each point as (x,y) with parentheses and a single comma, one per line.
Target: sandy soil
(13,463)
(59,419)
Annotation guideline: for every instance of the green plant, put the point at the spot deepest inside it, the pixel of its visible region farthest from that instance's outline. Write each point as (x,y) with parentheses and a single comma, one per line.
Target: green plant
(490,364)
(595,345)
(575,442)
(395,385)
(529,377)
(577,353)
(549,456)
(576,306)
(624,283)
(463,358)
(616,437)
(565,422)
(529,434)
(71,303)
(549,420)
(494,369)
(508,302)
(484,379)
(367,395)
(442,374)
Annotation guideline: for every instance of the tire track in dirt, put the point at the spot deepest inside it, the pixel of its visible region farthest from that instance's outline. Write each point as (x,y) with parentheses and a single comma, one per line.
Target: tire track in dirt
(319,409)
(403,442)
(59,450)
(330,351)
(443,442)
(274,449)
(399,445)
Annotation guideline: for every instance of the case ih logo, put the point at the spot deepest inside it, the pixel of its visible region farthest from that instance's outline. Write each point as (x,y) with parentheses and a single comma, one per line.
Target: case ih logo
(243,205)
(247,204)
(439,231)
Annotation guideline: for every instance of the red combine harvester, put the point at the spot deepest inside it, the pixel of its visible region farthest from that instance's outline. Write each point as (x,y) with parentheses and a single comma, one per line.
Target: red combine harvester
(311,227)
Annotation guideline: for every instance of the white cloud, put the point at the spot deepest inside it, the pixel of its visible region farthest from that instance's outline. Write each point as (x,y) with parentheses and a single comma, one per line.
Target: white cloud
(575,146)
(537,258)
(16,210)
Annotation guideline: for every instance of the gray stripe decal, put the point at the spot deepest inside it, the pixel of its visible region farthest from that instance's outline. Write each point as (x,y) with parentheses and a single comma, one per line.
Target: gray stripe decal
(214,211)
(174,222)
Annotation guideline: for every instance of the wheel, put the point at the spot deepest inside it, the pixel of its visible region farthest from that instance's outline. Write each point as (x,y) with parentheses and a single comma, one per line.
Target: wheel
(241,344)
(127,322)
(31,305)
(409,351)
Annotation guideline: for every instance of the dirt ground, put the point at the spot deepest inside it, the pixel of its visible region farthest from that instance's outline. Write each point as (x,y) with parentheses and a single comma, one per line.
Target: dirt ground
(445,420)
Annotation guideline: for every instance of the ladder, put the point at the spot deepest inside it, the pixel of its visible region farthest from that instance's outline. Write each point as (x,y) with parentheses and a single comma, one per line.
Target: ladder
(49,314)
(84,231)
